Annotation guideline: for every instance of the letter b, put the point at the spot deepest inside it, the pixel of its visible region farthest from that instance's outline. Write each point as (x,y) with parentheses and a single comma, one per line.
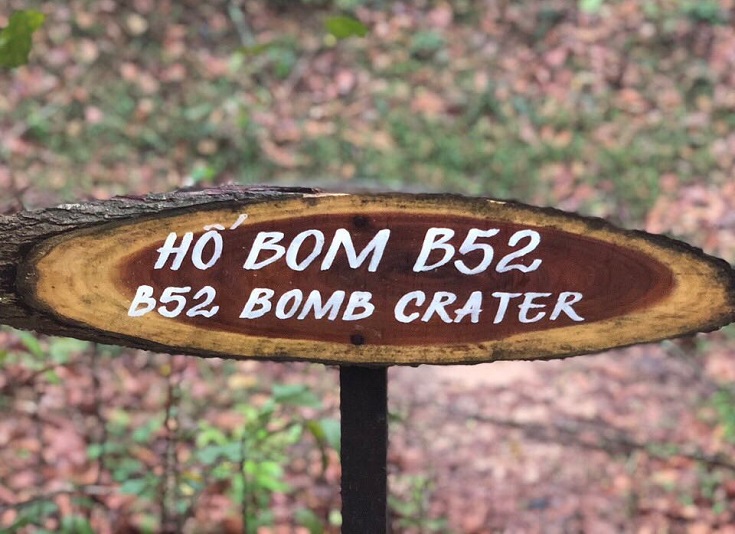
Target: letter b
(436,238)
(143,302)
(359,306)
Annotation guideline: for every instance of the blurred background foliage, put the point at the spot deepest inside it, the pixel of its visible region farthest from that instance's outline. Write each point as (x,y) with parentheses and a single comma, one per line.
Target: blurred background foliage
(623,109)
(598,106)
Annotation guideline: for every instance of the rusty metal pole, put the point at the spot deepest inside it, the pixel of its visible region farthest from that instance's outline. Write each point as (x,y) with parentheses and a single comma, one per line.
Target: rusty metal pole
(364,409)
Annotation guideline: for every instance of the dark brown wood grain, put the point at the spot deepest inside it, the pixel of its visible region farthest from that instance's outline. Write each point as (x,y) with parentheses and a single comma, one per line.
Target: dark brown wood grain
(614,280)
(79,275)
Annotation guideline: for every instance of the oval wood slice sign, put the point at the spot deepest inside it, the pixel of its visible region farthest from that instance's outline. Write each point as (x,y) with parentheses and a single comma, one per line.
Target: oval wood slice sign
(352,279)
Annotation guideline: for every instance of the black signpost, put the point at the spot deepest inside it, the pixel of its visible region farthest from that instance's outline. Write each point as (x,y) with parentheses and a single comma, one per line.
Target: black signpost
(364,450)
(360,281)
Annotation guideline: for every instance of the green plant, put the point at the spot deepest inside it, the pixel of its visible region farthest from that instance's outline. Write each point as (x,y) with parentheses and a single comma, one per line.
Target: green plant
(705,11)
(250,460)
(723,402)
(344,27)
(34,514)
(425,44)
(253,456)
(203,174)
(409,505)
(590,6)
(15,38)
(44,516)
(42,356)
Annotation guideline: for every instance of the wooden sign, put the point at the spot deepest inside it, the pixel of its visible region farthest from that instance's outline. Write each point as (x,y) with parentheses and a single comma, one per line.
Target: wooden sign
(351,279)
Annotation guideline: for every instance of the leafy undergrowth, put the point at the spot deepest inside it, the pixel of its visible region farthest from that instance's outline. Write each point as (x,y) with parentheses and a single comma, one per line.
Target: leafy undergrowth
(96,438)
(623,109)
(99,439)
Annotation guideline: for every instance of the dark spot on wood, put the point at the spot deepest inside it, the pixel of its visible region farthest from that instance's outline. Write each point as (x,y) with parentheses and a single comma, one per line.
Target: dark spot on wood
(360,221)
(357,339)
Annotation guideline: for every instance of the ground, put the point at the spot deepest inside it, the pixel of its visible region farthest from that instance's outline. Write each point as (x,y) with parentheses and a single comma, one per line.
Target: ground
(608,443)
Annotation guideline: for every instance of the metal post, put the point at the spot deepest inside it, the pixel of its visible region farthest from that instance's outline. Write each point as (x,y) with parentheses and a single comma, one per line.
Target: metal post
(364,408)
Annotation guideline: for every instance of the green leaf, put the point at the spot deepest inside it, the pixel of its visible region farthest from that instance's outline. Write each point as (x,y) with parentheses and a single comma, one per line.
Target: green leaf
(332,432)
(292,434)
(268,476)
(210,434)
(15,38)
(31,342)
(143,433)
(21,522)
(95,450)
(203,173)
(32,514)
(326,431)
(127,468)
(295,395)
(426,43)
(75,524)
(335,518)
(63,348)
(344,27)
(307,518)
(42,509)
(134,486)
(258,49)
(211,454)
(52,377)
(590,6)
